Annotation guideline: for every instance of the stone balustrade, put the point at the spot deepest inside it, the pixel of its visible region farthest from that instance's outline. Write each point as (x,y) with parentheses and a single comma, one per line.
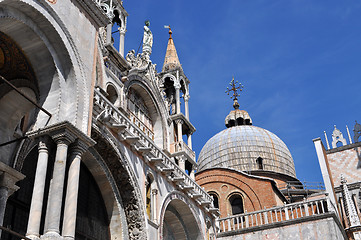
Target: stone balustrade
(149,132)
(132,134)
(276,214)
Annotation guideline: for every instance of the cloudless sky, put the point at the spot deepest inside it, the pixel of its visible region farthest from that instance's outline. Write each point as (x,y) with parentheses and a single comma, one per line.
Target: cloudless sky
(299,61)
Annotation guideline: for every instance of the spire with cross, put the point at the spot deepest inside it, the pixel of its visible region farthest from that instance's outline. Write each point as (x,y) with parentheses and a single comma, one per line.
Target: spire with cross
(235,87)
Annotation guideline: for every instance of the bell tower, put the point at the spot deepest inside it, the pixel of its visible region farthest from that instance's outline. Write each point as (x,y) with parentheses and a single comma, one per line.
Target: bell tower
(174,86)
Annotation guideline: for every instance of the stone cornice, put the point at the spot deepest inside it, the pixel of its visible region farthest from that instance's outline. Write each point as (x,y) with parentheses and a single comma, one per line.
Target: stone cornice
(342,148)
(95,12)
(63,130)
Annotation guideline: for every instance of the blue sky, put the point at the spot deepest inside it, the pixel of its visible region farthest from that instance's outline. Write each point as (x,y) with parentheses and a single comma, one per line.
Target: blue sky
(299,61)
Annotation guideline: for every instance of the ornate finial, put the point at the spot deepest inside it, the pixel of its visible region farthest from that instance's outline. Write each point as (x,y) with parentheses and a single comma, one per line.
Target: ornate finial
(234,88)
(170,30)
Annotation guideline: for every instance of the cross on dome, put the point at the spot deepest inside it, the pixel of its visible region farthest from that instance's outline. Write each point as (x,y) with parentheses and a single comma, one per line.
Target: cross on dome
(234,88)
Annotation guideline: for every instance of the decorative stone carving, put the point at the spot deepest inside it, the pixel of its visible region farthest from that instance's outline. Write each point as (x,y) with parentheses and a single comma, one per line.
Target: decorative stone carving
(356,132)
(337,137)
(108,7)
(349,204)
(141,61)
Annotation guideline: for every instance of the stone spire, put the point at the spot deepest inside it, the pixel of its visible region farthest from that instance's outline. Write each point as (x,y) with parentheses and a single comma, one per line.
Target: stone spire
(171,60)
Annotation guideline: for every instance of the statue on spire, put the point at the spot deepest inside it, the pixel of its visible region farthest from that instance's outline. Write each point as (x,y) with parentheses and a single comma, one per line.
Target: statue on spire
(147,39)
(234,88)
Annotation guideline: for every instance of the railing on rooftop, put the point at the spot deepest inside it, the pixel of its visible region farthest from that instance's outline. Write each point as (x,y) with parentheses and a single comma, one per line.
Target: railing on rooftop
(276,214)
(152,153)
(303,185)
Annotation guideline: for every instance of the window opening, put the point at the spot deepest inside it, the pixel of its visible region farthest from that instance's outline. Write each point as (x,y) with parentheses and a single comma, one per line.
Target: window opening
(259,162)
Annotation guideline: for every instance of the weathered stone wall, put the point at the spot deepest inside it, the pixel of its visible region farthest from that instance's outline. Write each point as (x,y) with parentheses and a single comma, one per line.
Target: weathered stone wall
(326,227)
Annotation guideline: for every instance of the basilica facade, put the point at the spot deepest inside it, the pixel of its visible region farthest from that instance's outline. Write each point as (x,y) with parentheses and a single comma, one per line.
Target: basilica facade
(96,144)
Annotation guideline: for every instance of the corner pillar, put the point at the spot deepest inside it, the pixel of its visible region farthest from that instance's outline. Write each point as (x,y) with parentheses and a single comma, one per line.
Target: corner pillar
(38,192)
(8,178)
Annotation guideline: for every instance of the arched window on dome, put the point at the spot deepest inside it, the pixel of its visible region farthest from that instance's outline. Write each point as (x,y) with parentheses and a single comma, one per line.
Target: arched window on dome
(236,202)
(259,162)
(215,199)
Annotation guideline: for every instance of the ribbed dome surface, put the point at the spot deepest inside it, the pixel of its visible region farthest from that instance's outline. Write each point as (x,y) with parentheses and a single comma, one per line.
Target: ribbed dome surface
(239,147)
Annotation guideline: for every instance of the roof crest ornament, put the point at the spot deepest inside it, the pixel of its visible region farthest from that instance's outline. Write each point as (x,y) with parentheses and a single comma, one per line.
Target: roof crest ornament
(234,88)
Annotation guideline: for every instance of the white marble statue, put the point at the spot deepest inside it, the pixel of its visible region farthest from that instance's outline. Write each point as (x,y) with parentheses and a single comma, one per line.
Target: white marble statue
(147,39)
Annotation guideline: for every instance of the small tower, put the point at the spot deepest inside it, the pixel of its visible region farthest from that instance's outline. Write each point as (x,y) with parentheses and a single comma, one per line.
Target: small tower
(174,85)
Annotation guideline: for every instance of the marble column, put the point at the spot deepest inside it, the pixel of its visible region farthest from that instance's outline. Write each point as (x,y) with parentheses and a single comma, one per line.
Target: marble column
(38,192)
(179,130)
(53,213)
(122,32)
(71,200)
(192,173)
(186,99)
(177,98)
(189,140)
(154,205)
(182,163)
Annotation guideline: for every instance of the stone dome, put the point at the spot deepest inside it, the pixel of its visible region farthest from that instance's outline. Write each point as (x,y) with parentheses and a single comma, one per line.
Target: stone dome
(247,148)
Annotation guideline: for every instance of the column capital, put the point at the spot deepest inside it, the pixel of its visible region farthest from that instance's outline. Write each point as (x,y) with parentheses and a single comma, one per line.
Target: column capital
(63,138)
(42,146)
(122,30)
(154,191)
(186,97)
(79,147)
(9,177)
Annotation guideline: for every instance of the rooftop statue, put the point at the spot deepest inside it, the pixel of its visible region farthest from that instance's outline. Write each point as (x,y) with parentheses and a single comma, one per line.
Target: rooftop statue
(147,39)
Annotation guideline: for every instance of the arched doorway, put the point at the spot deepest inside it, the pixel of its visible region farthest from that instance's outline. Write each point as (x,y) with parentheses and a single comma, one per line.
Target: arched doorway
(179,223)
